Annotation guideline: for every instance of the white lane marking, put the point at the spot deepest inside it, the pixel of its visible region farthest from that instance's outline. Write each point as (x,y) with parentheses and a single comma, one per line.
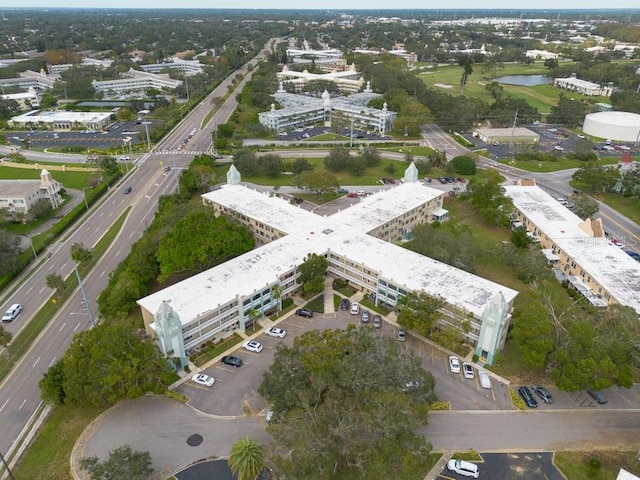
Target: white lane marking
(22,404)
(77,326)
(53,360)
(63,325)
(4,404)
(35,363)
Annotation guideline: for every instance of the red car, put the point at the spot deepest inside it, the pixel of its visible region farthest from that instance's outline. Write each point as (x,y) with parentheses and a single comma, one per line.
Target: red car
(352,194)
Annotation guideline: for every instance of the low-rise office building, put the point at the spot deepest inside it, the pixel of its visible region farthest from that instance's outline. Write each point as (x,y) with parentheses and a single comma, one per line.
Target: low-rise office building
(29,99)
(356,243)
(347,81)
(579,250)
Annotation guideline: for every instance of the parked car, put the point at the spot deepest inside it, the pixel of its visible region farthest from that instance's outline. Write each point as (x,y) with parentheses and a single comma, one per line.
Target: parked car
(231,360)
(454,364)
(365,316)
(466,469)
(402,335)
(304,312)
(12,313)
(352,194)
(528,397)
(485,381)
(253,346)
(377,321)
(202,379)
(467,370)
(276,332)
(360,193)
(543,393)
(342,190)
(355,309)
(597,396)
(344,304)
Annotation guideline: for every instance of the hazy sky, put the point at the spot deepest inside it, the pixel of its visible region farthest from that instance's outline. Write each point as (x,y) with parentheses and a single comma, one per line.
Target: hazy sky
(327,4)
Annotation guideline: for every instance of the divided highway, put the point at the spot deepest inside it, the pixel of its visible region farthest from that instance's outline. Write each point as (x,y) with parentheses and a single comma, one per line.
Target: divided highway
(19,393)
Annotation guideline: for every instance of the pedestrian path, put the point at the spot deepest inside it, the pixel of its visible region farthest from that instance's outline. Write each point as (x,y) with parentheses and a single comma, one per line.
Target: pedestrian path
(329,307)
(439,466)
(179,152)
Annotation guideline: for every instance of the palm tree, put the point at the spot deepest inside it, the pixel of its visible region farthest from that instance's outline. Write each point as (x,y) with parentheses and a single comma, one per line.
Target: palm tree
(246,459)
(276,292)
(253,316)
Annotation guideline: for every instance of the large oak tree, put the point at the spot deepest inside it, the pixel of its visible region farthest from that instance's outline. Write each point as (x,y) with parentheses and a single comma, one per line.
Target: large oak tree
(346,404)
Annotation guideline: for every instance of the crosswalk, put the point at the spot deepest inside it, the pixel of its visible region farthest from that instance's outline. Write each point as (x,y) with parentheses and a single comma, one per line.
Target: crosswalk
(179,152)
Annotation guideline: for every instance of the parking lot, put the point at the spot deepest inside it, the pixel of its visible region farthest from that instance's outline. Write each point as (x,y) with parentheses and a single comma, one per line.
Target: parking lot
(512,466)
(237,387)
(117,135)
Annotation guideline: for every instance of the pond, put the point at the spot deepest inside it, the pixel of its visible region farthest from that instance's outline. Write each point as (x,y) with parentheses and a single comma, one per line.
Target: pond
(524,80)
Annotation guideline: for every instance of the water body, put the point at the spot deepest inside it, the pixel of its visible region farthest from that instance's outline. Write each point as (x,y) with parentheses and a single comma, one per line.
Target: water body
(523,80)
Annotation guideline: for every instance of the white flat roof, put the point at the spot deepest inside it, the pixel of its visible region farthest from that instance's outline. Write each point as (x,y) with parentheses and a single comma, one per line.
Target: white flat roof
(241,276)
(616,271)
(375,210)
(51,117)
(310,233)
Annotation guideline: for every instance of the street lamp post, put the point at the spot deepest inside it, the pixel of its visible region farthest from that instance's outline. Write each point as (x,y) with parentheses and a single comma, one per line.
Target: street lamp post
(6,465)
(84,193)
(84,296)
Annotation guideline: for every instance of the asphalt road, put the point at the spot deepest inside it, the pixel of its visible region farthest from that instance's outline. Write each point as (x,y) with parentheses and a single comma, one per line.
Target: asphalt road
(19,393)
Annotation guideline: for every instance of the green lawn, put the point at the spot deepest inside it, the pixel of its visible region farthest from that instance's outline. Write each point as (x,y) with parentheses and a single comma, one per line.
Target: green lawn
(75,180)
(596,465)
(48,456)
(543,97)
(561,163)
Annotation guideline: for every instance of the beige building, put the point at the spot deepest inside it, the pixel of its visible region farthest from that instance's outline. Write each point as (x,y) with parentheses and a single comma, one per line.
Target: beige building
(17,196)
(355,241)
(578,249)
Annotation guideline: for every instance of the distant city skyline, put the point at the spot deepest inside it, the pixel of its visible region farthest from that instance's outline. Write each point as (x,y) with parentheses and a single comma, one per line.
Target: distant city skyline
(330,4)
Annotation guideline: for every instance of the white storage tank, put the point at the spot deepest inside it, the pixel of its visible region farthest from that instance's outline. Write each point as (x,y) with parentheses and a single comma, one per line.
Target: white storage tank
(620,126)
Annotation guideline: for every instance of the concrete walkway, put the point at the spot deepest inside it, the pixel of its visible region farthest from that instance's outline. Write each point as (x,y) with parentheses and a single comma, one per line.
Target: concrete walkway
(329,307)
(439,466)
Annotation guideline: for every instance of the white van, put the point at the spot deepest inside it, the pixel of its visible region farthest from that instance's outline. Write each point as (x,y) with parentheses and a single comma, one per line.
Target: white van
(11,314)
(466,469)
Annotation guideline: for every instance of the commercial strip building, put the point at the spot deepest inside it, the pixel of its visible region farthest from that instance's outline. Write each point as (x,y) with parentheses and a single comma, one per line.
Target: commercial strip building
(356,242)
(60,120)
(134,82)
(578,249)
(583,87)
(302,110)
(507,135)
(18,196)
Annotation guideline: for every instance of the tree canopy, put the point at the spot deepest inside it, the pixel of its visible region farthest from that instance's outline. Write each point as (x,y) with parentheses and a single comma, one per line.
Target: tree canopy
(200,241)
(487,196)
(345,405)
(312,272)
(123,462)
(105,364)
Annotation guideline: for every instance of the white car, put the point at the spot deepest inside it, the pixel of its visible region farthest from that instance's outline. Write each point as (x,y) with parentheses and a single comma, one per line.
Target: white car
(454,364)
(467,369)
(485,381)
(276,332)
(253,346)
(466,469)
(202,379)
(355,309)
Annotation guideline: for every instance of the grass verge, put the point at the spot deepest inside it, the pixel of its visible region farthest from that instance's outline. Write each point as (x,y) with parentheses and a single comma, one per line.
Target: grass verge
(317,304)
(48,457)
(596,465)
(212,352)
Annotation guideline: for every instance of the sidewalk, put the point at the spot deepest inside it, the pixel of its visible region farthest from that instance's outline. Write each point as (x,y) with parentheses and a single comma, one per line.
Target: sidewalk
(439,466)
